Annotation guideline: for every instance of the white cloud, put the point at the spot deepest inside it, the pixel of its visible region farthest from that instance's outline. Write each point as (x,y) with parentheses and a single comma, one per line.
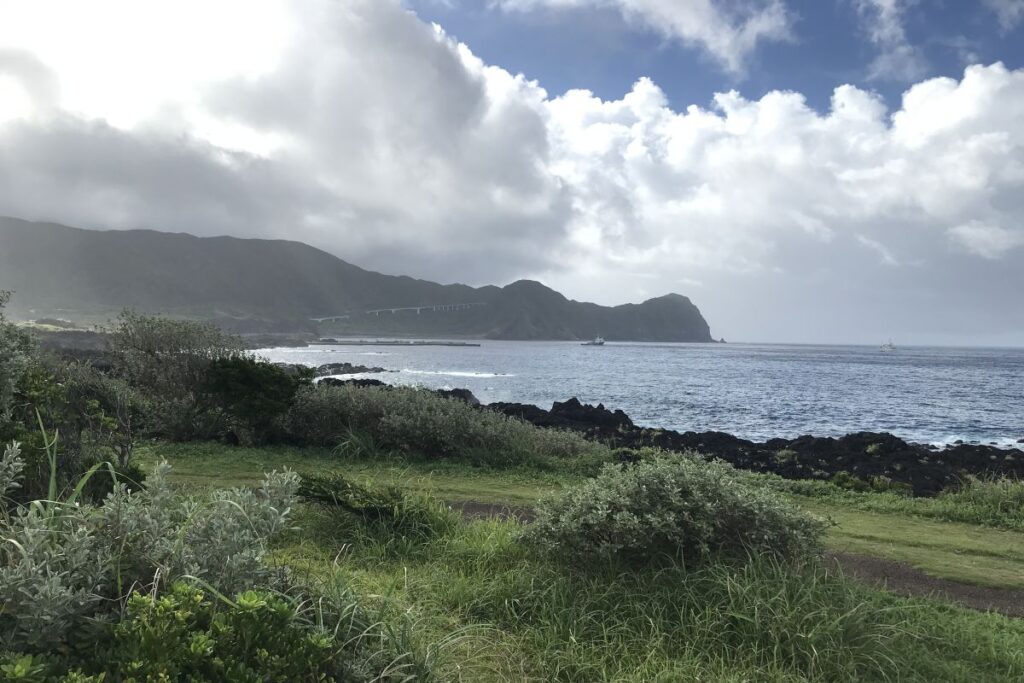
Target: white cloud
(371,134)
(983,239)
(729,32)
(897,59)
(883,251)
(1009,12)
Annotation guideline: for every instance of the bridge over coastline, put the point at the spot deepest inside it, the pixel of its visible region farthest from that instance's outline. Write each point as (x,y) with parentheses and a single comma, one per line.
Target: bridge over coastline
(432,308)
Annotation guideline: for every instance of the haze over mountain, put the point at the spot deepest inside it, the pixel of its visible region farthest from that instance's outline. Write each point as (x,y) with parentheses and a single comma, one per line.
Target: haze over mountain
(60,271)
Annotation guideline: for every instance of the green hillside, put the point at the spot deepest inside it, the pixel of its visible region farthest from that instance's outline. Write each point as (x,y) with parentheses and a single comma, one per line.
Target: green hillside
(88,275)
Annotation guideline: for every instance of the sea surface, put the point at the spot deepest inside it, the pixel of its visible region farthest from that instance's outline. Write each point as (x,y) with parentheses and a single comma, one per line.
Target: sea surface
(755,391)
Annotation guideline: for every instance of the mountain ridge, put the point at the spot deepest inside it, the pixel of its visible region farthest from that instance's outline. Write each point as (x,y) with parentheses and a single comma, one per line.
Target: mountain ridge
(62,271)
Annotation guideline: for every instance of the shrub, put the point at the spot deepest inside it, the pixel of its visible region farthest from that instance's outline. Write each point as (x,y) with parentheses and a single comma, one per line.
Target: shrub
(882,484)
(784,456)
(15,349)
(64,566)
(253,394)
(167,361)
(405,513)
(185,635)
(417,421)
(103,413)
(94,413)
(671,507)
(845,480)
(108,592)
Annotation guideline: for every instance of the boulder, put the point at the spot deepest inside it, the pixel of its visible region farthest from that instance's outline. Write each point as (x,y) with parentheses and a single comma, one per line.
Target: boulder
(345,369)
(464,395)
(335,382)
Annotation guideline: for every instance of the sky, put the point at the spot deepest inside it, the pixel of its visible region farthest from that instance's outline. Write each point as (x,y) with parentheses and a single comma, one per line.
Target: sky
(834,171)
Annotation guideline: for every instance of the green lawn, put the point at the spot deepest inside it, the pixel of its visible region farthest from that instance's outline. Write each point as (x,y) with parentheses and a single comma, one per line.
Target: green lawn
(214,465)
(959,552)
(947,550)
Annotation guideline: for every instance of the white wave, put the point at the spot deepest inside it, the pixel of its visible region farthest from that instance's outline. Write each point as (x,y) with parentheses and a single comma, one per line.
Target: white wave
(454,373)
(999,442)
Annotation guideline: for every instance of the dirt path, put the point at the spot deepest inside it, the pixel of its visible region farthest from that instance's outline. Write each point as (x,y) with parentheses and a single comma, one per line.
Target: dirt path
(903,579)
(897,577)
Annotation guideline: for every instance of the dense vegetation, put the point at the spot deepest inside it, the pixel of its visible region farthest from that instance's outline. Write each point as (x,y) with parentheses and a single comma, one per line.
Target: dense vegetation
(416,422)
(644,567)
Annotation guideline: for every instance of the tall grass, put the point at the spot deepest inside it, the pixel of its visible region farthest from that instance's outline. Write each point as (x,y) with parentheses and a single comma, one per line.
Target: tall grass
(525,618)
(409,421)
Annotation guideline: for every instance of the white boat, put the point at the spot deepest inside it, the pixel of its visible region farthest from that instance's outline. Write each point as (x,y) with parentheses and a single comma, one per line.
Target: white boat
(887,347)
(596,341)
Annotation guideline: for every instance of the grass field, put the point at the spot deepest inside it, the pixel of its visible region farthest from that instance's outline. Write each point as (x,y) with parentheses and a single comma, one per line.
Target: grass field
(959,552)
(479,608)
(214,465)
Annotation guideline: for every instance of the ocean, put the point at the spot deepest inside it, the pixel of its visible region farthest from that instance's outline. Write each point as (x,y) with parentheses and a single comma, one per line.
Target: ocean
(754,391)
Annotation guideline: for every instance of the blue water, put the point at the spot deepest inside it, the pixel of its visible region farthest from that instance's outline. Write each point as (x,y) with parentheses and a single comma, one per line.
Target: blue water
(755,391)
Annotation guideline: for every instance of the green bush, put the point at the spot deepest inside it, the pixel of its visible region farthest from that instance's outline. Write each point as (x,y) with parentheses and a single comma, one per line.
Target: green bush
(185,634)
(845,480)
(402,512)
(253,394)
(671,507)
(167,361)
(101,412)
(96,415)
(15,350)
(419,422)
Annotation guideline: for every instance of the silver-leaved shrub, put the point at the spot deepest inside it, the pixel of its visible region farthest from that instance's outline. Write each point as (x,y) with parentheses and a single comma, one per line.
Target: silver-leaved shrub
(671,507)
(66,566)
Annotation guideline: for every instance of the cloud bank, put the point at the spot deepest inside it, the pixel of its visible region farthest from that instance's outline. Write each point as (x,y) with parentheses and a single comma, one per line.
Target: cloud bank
(364,131)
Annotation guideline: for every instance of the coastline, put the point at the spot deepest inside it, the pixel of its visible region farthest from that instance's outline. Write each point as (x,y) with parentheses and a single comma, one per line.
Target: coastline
(858,460)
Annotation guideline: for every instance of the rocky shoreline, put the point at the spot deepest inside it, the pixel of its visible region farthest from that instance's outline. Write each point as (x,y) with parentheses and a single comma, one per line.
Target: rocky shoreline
(865,456)
(862,459)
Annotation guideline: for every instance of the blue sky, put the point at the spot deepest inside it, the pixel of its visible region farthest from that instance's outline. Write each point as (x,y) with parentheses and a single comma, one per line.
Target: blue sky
(594,49)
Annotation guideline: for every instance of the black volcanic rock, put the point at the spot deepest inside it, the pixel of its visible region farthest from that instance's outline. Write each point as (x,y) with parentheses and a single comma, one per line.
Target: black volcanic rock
(344,369)
(464,395)
(263,286)
(864,455)
(364,383)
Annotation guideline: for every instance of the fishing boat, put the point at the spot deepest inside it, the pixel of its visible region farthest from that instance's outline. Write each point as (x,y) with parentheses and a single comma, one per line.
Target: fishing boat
(596,341)
(887,347)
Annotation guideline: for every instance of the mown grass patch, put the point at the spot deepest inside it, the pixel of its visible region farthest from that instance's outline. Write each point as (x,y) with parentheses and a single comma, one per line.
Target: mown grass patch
(212,464)
(996,503)
(958,552)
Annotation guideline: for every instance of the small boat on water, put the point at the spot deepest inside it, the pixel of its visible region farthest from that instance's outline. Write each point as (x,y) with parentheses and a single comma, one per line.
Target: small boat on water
(887,347)
(596,341)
